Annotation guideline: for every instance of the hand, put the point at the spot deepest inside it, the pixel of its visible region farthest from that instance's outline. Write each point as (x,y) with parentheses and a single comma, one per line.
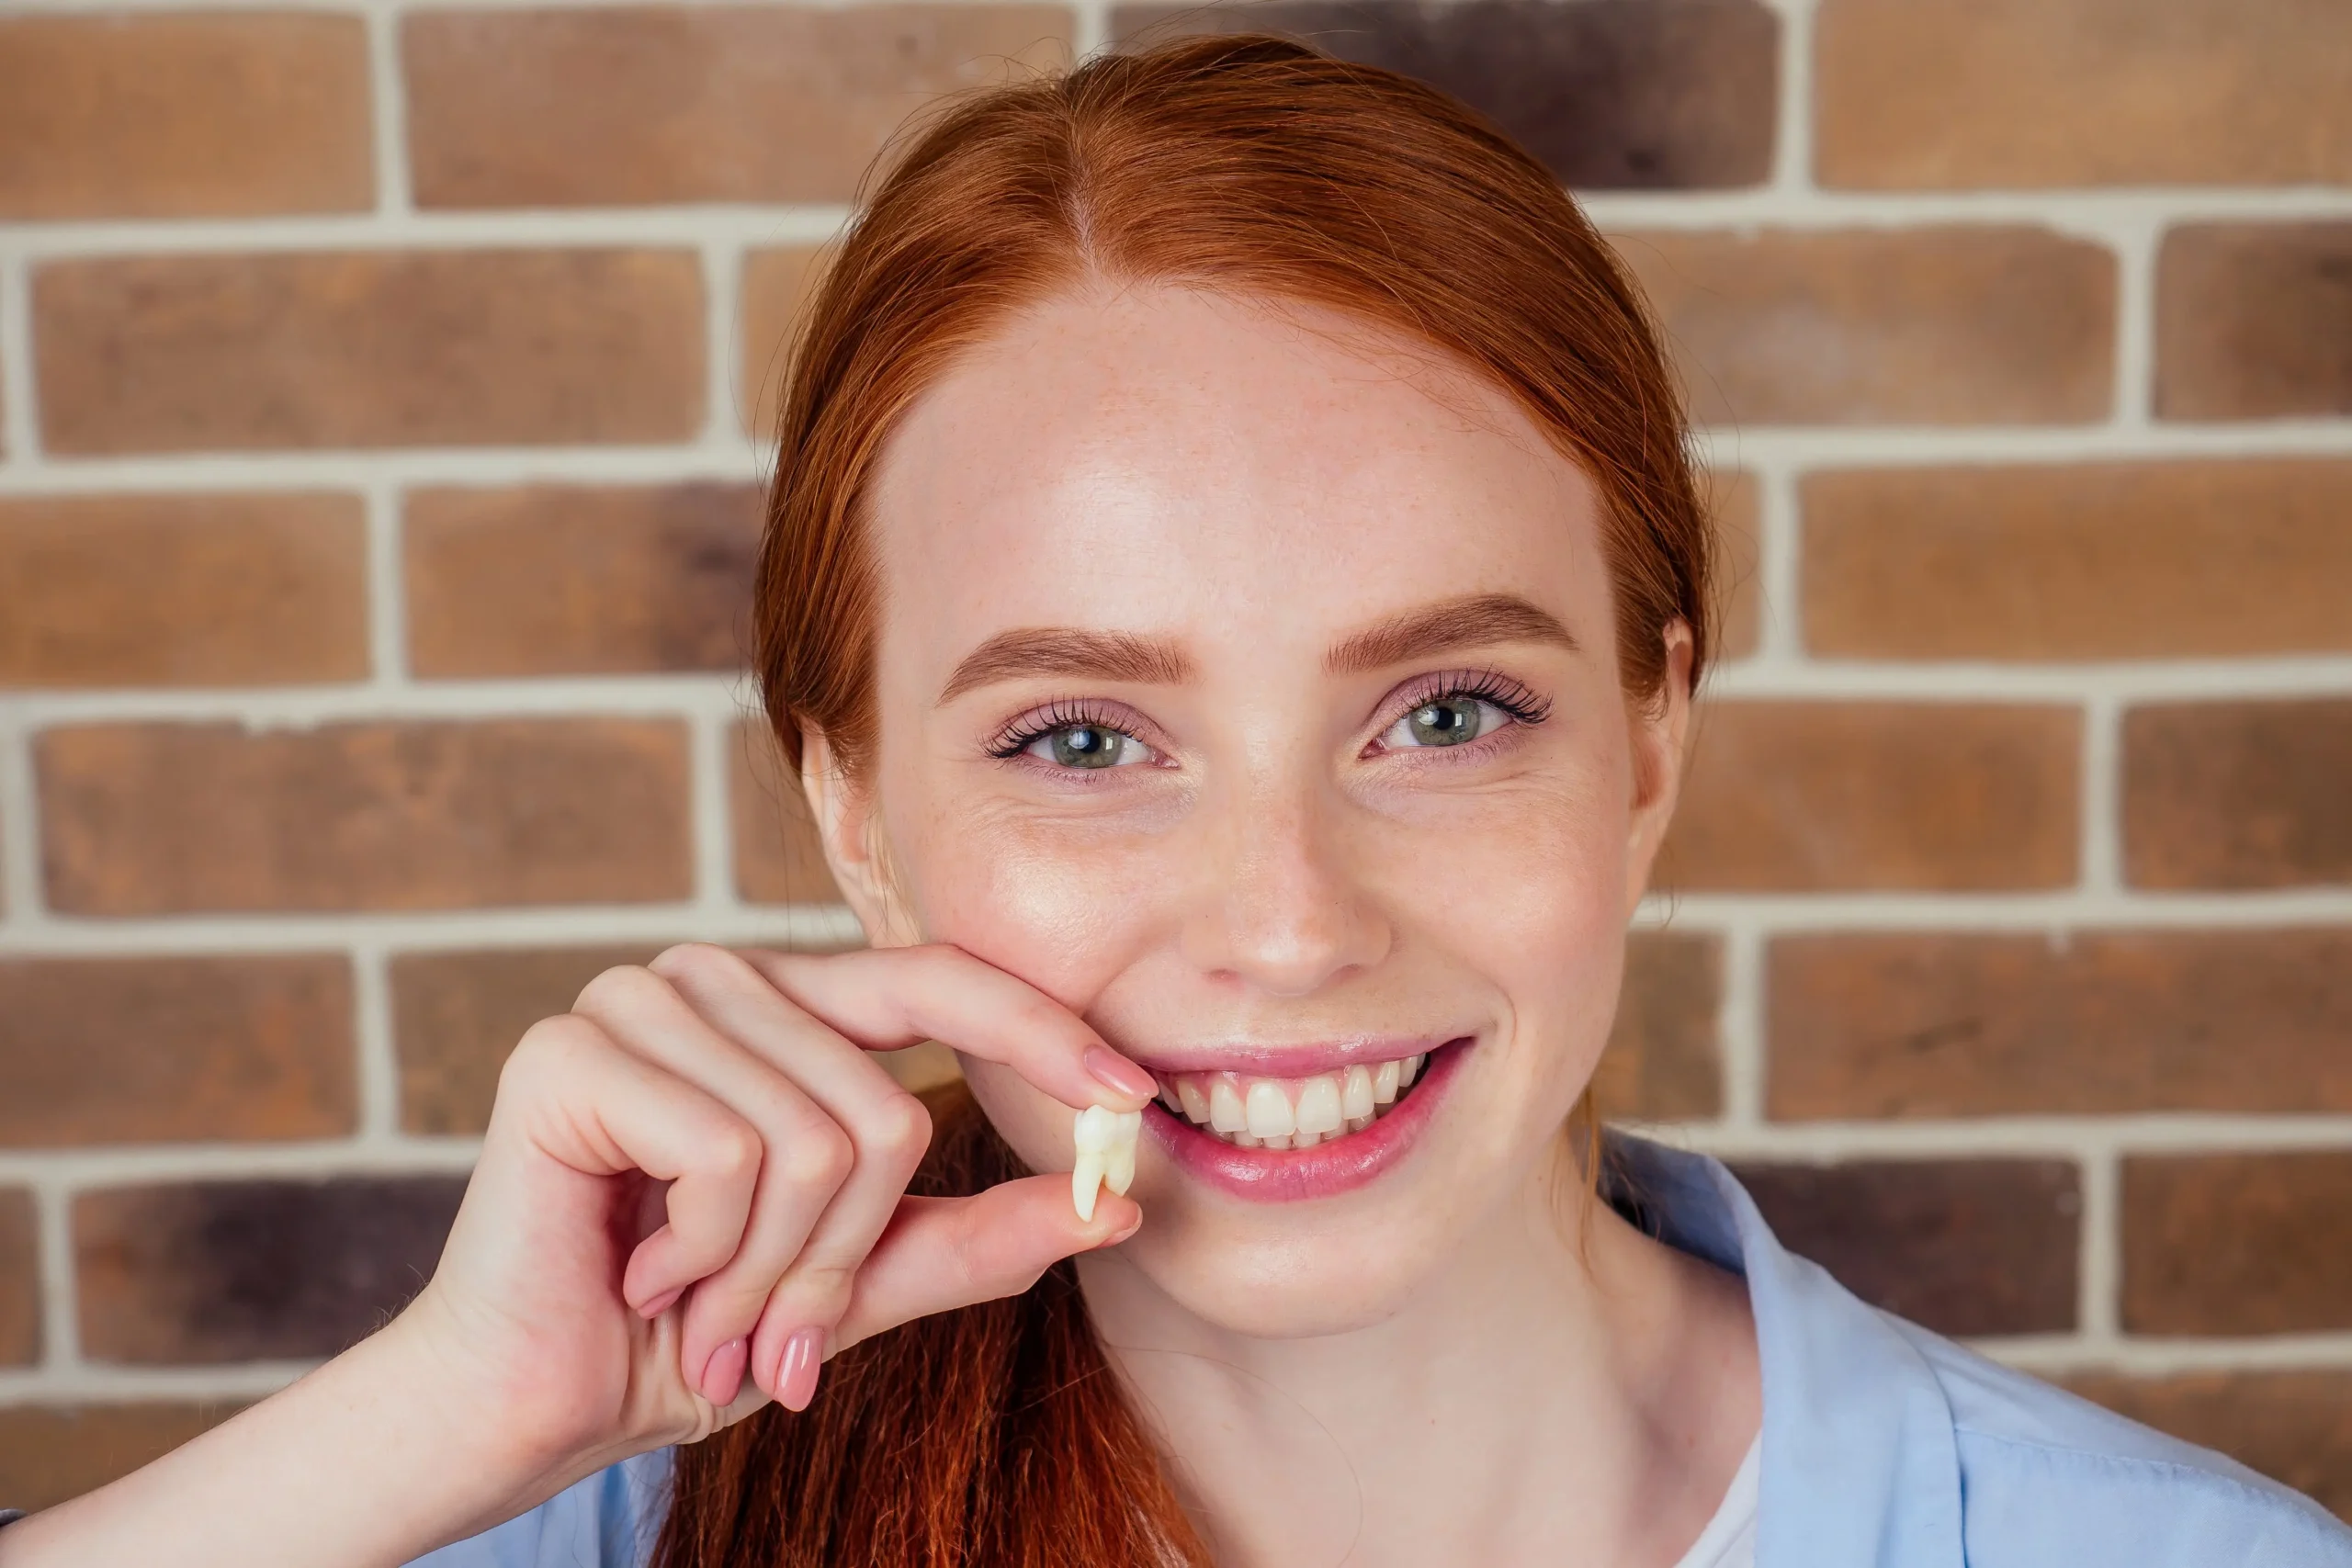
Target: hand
(699,1172)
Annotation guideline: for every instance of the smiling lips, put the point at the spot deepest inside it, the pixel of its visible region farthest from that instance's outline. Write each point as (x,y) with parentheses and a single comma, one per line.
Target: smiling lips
(1252,1113)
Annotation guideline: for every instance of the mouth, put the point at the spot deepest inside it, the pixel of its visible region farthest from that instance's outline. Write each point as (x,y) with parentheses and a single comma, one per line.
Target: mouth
(1274,1138)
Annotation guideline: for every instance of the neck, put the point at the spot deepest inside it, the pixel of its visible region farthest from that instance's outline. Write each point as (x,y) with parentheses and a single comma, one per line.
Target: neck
(1565,1389)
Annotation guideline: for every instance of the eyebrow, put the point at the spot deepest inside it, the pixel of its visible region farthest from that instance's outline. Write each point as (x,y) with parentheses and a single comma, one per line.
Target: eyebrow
(1025,653)
(1473,621)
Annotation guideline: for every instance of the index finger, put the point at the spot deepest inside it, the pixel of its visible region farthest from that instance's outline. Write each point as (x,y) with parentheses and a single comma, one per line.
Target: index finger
(886,998)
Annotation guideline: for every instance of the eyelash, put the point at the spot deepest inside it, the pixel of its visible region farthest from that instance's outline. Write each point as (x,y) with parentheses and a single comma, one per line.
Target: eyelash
(1035,725)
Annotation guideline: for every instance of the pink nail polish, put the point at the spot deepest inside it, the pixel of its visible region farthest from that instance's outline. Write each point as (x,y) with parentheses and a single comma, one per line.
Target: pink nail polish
(796,1374)
(722,1375)
(1108,1066)
(661,1304)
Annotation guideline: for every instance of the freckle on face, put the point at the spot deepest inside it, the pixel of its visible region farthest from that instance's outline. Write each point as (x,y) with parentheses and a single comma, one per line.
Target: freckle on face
(1253,486)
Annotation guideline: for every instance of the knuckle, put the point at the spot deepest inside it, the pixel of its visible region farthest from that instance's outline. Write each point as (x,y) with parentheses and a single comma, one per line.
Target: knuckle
(898,1130)
(694,960)
(547,1048)
(819,1155)
(730,1150)
(619,988)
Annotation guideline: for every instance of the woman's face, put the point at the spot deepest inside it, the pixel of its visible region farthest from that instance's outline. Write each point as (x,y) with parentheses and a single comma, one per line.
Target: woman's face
(1246,681)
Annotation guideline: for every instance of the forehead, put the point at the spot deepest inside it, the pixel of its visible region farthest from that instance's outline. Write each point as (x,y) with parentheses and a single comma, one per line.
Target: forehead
(1170,461)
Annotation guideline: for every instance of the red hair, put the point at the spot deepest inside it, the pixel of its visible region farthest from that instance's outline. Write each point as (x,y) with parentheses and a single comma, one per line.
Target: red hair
(998,1435)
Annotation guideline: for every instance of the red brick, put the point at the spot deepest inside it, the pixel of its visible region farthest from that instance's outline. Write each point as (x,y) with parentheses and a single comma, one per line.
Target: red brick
(198,589)
(1739,541)
(1964,1247)
(2034,94)
(1947,324)
(2295,1426)
(176,1050)
(183,818)
(182,115)
(1869,1026)
(252,1270)
(50,1453)
(1678,94)
(556,579)
(19,1280)
(2238,1244)
(632,105)
(775,284)
(365,349)
(2254,321)
(2238,794)
(1818,796)
(2099,561)
(1664,1061)
(778,859)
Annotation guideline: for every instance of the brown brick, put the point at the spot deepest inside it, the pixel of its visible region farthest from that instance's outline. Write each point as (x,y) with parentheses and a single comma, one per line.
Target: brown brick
(1951,325)
(252,1270)
(323,349)
(555,579)
(167,1050)
(1866,1026)
(1609,93)
(200,589)
(50,1453)
(19,1281)
(1664,1061)
(2098,560)
(2254,321)
(456,1016)
(775,284)
(2238,1244)
(128,116)
(1813,796)
(2238,794)
(1739,540)
(2295,1426)
(179,819)
(1964,1247)
(777,857)
(2029,93)
(632,105)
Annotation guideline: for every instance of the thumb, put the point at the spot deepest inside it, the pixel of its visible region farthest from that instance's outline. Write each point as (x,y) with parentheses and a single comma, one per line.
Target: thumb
(942,1253)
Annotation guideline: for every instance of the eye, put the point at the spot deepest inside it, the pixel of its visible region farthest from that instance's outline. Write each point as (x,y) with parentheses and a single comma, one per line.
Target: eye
(1089,746)
(1454,720)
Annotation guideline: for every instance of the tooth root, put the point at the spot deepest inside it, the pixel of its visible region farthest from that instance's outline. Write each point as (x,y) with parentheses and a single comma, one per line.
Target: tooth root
(1355,1093)
(1412,1070)
(1195,1104)
(1269,1112)
(1318,1105)
(1384,1082)
(1085,1182)
(1226,1113)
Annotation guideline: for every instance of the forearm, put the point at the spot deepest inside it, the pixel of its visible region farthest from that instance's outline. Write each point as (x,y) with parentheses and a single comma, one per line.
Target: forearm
(365,1461)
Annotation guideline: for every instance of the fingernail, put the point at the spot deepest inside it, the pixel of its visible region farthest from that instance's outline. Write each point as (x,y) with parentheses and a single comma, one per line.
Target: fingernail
(722,1375)
(1125,1231)
(661,1304)
(1108,1066)
(796,1374)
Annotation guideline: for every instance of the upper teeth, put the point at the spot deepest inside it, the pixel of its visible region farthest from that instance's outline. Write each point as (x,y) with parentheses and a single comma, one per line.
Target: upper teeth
(1105,1141)
(1289,1113)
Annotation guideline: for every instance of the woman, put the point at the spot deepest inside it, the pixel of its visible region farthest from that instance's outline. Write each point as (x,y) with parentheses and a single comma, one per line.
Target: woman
(1234,587)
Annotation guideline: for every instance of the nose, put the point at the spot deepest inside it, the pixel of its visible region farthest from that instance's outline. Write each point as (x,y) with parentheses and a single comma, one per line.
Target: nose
(1279,908)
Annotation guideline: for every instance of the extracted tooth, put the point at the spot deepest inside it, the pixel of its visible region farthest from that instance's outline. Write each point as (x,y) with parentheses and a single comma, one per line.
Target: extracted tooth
(1093,1135)
(1269,1112)
(1412,1070)
(1226,1113)
(1355,1096)
(1119,1164)
(1319,1107)
(1196,1104)
(1383,1083)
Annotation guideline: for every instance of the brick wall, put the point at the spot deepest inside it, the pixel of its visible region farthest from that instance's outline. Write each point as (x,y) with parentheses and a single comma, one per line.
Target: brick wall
(375,496)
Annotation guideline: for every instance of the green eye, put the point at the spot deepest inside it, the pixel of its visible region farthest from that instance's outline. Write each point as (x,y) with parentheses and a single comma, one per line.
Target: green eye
(1448,721)
(1086,746)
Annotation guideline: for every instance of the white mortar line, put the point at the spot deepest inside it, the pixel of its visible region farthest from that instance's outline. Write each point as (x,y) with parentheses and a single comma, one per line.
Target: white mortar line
(2101,763)
(713,837)
(20,410)
(20,860)
(1091,27)
(2070,1137)
(1740,1028)
(2135,298)
(1780,566)
(376,1074)
(386,590)
(2166,1357)
(565,925)
(2066,909)
(1792,174)
(60,1324)
(389,119)
(2100,1265)
(84,1382)
(722,425)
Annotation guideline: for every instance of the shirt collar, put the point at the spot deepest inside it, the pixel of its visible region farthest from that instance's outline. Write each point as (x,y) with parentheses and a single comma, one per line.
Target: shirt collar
(1860,1469)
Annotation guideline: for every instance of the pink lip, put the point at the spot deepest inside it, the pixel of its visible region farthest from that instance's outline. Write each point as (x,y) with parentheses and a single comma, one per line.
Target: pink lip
(1301,1061)
(1284,1175)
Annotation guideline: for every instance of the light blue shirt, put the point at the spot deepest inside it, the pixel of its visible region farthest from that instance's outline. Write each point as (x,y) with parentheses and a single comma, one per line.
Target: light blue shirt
(1884,1446)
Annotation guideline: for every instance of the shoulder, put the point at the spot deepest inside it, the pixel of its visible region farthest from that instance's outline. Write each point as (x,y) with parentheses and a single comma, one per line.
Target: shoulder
(2050,1479)
(609,1520)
